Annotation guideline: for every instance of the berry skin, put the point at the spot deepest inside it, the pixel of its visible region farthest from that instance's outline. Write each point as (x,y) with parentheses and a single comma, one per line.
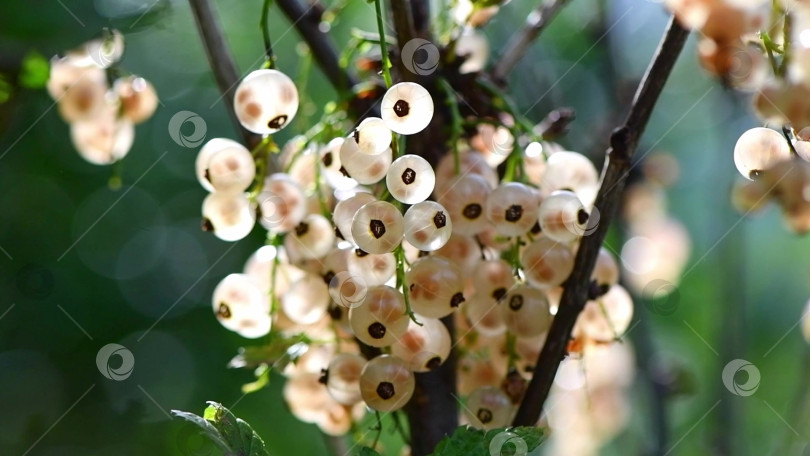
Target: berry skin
(378,227)
(307,299)
(282,203)
(512,208)
(489,408)
(344,213)
(228,215)
(343,378)
(547,263)
(423,348)
(427,226)
(103,138)
(410,179)
(572,171)
(372,136)
(562,216)
(525,311)
(435,287)
(759,149)
(363,168)
(265,101)
(313,238)
(465,198)
(230,170)
(240,306)
(386,383)
(381,319)
(407,108)
(138,98)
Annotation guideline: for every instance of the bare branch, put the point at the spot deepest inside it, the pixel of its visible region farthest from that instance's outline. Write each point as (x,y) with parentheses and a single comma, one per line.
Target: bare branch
(306,20)
(517,46)
(403,26)
(623,143)
(221,61)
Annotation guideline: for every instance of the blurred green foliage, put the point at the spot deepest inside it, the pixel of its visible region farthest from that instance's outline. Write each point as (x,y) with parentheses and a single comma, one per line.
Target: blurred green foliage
(83,266)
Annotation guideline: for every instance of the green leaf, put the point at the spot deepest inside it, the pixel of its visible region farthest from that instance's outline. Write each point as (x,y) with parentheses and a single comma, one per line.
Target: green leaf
(366,451)
(233,435)
(34,71)
(468,441)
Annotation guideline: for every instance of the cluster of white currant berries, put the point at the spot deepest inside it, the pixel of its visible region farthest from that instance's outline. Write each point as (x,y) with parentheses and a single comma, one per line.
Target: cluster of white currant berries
(101,107)
(776,168)
(369,247)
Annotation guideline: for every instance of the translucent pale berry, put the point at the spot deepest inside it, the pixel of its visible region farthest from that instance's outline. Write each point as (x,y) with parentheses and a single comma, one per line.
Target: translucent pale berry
(465,198)
(313,238)
(307,299)
(265,101)
(343,378)
(282,203)
(372,136)
(373,269)
(488,408)
(330,166)
(231,169)
(381,319)
(547,263)
(512,208)
(103,138)
(435,287)
(428,226)
(758,149)
(363,168)
(138,98)
(425,347)
(525,311)
(386,383)
(410,179)
(562,216)
(228,215)
(407,108)
(240,306)
(606,318)
(378,227)
(344,213)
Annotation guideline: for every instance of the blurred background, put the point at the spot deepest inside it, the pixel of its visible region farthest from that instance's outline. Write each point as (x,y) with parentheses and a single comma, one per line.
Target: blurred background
(82,266)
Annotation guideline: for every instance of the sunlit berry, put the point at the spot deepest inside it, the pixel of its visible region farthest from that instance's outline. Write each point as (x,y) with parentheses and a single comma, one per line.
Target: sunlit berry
(547,263)
(344,213)
(427,226)
(372,136)
(343,378)
(282,204)
(562,216)
(512,208)
(240,306)
(465,198)
(423,347)
(265,101)
(489,408)
(363,168)
(307,299)
(228,215)
(138,98)
(378,227)
(407,108)
(759,149)
(231,169)
(381,319)
(410,179)
(313,238)
(435,286)
(525,311)
(386,383)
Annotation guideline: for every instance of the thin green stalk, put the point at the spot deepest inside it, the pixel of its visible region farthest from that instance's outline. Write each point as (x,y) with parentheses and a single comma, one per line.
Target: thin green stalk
(399,255)
(386,62)
(456,123)
(268,45)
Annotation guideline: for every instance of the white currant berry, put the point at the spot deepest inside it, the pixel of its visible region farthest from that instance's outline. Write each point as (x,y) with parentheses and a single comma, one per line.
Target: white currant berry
(268,262)
(489,408)
(435,287)
(372,136)
(512,208)
(65,72)
(228,215)
(425,347)
(386,383)
(410,179)
(373,269)
(83,100)
(330,166)
(525,311)
(571,171)
(363,168)
(758,149)
(307,299)
(465,199)
(265,101)
(344,213)
(462,251)
(343,378)
(381,319)
(104,138)
(473,47)
(231,169)
(313,238)
(282,204)
(240,306)
(606,270)
(347,290)
(407,108)
(378,227)
(470,163)
(427,226)
(493,278)
(204,155)
(607,317)
(100,52)
(484,314)
(562,216)
(139,99)
(547,263)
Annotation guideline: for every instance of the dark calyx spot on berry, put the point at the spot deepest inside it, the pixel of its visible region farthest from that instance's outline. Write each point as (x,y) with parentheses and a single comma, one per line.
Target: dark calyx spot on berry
(328,277)
(356,135)
(422,254)
(440,220)
(376,330)
(386,390)
(377,228)
(360,253)
(484,415)
(344,172)
(223,311)
(536,229)
(513,213)
(277,122)
(499,293)
(596,290)
(408,176)
(433,363)
(207,225)
(472,211)
(516,302)
(327,159)
(335,312)
(514,385)
(755,173)
(402,108)
(339,234)
(207,175)
(324,378)
(582,216)
(457,299)
(301,229)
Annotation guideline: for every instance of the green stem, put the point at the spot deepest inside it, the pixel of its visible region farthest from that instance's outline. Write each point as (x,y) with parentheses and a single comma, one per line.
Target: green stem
(261,155)
(268,45)
(399,254)
(276,242)
(511,350)
(386,62)
(456,123)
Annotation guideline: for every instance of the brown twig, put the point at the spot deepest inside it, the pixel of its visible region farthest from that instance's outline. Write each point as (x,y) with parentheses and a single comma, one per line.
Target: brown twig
(221,61)
(517,46)
(403,27)
(623,143)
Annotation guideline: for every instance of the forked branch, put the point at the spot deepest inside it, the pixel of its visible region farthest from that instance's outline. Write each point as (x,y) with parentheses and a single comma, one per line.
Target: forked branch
(618,157)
